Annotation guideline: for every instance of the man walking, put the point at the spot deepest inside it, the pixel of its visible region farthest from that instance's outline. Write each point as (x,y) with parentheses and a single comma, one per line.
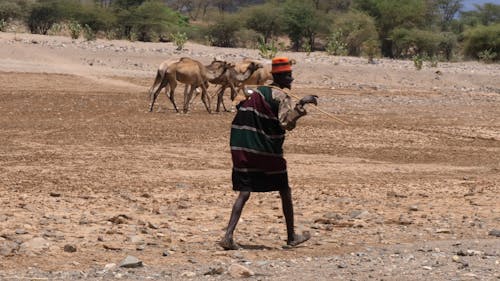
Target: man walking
(257,137)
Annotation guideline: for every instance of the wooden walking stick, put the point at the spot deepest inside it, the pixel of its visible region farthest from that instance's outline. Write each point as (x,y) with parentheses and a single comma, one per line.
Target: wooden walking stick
(316,107)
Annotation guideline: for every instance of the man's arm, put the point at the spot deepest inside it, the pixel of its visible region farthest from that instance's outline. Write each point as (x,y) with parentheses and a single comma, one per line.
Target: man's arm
(288,113)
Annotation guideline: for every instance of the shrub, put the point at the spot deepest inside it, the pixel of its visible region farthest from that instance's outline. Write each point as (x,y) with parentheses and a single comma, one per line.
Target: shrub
(371,49)
(88,33)
(482,38)
(56,29)
(247,38)
(75,29)
(11,10)
(267,50)
(179,39)
(222,33)
(3,25)
(357,28)
(408,42)
(335,45)
(43,16)
(418,61)
(487,56)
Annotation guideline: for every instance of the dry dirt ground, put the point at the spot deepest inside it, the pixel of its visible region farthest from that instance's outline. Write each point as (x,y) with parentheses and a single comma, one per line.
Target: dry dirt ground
(408,189)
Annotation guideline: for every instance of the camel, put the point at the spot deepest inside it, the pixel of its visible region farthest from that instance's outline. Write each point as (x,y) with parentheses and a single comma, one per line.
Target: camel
(259,77)
(190,72)
(231,78)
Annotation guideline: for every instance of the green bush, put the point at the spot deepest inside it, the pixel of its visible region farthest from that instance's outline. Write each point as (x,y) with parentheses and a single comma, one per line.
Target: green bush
(335,44)
(3,25)
(408,42)
(152,20)
(10,9)
(179,39)
(247,38)
(371,49)
(222,33)
(264,19)
(418,61)
(482,38)
(43,16)
(267,50)
(56,29)
(357,28)
(75,29)
(88,33)
(487,56)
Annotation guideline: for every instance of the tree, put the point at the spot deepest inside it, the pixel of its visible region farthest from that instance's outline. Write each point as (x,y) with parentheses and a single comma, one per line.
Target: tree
(300,22)
(153,18)
(487,14)
(356,28)
(446,11)
(391,14)
(264,19)
(482,38)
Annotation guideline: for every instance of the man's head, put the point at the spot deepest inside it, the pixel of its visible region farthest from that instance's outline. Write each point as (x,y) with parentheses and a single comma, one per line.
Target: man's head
(282,72)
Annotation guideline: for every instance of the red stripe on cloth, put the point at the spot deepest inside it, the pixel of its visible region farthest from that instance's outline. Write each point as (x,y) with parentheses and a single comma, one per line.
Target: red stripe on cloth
(266,163)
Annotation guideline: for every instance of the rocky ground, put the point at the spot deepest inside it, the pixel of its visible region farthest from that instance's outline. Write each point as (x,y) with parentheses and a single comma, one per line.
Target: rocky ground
(94,187)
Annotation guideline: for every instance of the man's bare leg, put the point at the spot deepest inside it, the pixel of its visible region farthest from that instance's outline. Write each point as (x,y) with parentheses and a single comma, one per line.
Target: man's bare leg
(287,205)
(228,242)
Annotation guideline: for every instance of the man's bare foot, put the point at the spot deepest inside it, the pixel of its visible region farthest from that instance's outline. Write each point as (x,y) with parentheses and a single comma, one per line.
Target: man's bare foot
(228,244)
(299,239)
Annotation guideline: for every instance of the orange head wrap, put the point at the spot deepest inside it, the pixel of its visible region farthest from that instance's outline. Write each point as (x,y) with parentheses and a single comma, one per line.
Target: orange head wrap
(281,64)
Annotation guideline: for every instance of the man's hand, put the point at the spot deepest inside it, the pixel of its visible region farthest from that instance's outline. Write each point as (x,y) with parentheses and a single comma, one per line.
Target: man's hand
(309,99)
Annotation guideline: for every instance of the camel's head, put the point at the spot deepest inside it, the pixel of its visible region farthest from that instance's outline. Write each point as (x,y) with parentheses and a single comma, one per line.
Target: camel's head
(255,65)
(220,64)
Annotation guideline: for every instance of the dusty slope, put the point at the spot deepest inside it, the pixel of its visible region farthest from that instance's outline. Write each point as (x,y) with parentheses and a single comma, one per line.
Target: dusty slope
(409,188)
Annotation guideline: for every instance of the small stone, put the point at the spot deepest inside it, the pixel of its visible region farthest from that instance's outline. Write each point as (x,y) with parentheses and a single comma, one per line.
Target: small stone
(427,267)
(21,231)
(55,194)
(131,262)
(188,274)
(239,271)
(413,208)
(456,258)
(215,271)
(443,230)
(69,248)
(109,266)
(494,232)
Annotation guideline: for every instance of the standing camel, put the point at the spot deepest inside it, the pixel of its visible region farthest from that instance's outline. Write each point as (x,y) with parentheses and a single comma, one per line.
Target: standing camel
(190,72)
(258,77)
(232,78)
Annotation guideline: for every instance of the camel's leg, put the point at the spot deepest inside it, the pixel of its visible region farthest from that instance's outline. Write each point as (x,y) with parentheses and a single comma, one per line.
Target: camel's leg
(197,92)
(154,93)
(173,85)
(234,93)
(220,98)
(205,98)
(187,97)
(167,88)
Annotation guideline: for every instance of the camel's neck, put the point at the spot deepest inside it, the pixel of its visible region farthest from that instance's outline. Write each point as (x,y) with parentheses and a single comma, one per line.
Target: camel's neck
(215,73)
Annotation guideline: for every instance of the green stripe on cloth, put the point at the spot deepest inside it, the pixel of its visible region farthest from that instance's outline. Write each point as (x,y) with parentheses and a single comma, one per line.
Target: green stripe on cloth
(245,138)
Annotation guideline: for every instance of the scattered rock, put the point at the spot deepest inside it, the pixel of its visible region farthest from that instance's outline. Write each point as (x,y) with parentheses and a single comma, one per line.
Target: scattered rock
(35,245)
(215,271)
(494,232)
(131,262)
(239,271)
(69,248)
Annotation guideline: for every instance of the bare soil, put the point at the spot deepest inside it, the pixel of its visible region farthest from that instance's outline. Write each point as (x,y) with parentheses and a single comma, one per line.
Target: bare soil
(408,189)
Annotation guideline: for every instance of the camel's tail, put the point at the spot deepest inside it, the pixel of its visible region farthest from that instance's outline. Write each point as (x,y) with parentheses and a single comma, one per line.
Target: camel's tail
(157,83)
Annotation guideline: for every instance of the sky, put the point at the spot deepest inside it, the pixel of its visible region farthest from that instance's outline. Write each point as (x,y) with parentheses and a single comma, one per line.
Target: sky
(469,4)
